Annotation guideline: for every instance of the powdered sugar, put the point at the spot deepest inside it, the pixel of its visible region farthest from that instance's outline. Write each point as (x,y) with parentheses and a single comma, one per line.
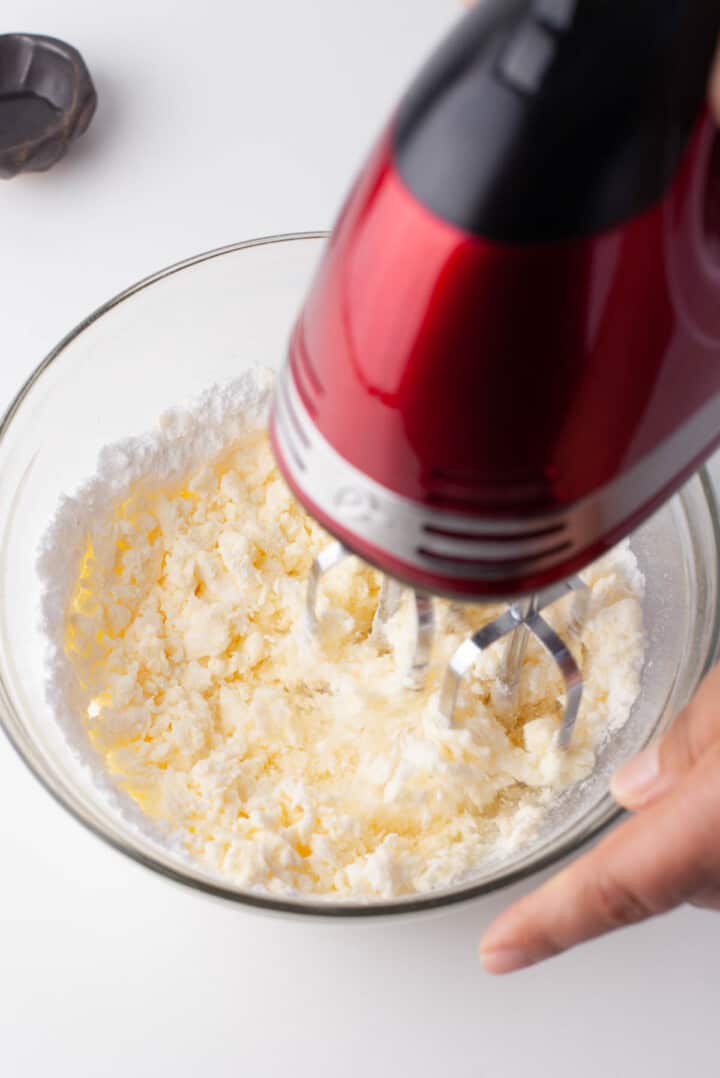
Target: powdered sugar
(184,437)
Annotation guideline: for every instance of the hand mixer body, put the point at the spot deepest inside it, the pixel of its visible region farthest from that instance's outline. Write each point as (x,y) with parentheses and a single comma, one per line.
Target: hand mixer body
(511,351)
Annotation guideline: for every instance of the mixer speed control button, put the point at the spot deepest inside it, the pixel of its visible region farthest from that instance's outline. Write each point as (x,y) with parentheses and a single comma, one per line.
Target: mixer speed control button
(558,14)
(357,505)
(527,58)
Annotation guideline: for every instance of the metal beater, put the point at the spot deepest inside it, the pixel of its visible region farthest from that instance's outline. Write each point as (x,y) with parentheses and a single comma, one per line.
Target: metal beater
(514,625)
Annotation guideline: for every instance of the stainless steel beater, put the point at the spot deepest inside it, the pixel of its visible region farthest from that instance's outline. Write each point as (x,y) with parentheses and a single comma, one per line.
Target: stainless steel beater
(514,626)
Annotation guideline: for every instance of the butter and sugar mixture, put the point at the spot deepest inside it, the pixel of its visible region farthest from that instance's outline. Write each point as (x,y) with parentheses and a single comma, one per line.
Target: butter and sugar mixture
(300,764)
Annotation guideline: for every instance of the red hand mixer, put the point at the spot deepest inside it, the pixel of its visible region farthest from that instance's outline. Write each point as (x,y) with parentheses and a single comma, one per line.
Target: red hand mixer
(510,354)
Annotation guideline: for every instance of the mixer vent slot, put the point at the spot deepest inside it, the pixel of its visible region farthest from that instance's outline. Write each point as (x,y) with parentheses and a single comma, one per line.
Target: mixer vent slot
(487,543)
(494,536)
(449,560)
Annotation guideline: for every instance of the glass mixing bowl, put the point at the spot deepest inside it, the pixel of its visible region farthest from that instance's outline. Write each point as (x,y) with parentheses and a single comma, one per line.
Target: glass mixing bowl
(161,343)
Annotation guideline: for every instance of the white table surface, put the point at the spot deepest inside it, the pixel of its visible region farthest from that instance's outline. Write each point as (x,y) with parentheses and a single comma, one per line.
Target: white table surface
(219,121)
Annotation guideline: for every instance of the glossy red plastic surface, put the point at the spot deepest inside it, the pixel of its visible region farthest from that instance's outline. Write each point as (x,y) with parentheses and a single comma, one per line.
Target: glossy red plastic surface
(512,381)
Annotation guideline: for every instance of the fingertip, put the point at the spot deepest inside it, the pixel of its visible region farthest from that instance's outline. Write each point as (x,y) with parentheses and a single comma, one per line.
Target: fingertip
(521,936)
(512,941)
(501,960)
(504,933)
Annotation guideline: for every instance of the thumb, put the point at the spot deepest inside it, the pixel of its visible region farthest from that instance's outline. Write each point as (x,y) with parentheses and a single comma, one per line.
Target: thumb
(662,857)
(656,770)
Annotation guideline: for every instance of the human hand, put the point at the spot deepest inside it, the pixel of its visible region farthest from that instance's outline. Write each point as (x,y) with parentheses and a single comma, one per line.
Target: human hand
(667,854)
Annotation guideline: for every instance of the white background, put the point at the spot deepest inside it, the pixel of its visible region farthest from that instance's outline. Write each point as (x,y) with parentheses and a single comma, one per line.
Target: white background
(219,121)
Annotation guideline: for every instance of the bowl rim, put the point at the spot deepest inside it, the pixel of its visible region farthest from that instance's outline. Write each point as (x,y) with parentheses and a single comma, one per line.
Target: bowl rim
(302,907)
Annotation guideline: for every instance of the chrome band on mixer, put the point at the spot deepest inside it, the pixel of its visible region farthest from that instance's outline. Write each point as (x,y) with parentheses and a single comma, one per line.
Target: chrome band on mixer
(460,546)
